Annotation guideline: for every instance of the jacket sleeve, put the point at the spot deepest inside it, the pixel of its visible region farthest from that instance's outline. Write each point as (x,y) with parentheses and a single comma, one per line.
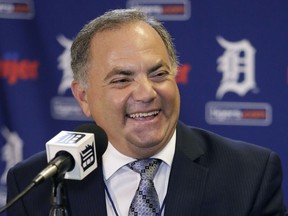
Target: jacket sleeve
(12,191)
(37,201)
(269,200)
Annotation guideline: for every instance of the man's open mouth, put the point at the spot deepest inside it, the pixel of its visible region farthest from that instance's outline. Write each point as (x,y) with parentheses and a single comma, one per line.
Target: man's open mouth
(143,115)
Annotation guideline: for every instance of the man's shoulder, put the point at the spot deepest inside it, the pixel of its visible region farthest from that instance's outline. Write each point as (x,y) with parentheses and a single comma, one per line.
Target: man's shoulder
(37,160)
(29,168)
(218,147)
(232,168)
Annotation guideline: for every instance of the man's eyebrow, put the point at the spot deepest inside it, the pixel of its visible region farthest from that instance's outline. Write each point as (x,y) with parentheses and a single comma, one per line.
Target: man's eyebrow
(118,71)
(157,66)
(127,72)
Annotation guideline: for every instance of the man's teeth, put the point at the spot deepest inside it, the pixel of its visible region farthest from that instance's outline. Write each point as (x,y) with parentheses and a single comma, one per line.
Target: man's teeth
(143,115)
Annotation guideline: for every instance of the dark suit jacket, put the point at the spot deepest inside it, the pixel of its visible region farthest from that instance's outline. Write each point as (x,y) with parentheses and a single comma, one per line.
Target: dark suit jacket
(210,175)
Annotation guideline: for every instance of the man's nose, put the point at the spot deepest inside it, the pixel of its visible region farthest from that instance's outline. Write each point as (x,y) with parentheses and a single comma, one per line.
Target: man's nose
(144,90)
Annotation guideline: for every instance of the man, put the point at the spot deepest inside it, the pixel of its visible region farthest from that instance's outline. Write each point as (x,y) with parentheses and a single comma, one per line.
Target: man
(124,66)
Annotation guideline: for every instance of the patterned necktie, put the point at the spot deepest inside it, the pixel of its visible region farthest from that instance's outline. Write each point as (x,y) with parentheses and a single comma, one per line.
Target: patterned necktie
(145,201)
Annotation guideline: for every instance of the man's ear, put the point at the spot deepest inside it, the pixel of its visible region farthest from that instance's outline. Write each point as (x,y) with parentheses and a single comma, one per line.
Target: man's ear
(80,95)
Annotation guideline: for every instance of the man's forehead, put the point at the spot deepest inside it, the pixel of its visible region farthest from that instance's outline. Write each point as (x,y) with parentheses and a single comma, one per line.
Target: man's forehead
(139,27)
(129,37)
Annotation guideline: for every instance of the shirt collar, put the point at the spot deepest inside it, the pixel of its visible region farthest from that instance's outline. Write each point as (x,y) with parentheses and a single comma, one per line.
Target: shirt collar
(113,160)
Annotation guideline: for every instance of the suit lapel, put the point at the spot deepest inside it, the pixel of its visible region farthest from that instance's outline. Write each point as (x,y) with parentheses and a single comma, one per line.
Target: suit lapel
(187,178)
(87,197)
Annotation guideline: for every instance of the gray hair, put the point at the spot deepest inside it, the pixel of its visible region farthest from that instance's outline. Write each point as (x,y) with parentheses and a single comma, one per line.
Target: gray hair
(80,50)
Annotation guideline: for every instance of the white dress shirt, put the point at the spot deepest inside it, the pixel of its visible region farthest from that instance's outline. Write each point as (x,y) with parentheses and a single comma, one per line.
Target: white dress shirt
(122,182)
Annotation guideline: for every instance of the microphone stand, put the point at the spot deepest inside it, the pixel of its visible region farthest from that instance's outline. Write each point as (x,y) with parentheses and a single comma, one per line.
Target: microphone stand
(58,197)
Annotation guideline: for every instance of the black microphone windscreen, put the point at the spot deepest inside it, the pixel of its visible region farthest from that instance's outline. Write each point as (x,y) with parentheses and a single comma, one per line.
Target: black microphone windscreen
(101,139)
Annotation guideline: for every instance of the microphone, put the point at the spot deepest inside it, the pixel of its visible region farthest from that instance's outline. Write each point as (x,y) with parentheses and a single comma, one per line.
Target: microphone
(73,153)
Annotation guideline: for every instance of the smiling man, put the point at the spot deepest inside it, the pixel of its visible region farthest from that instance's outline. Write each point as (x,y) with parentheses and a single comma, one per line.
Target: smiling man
(124,66)
(131,90)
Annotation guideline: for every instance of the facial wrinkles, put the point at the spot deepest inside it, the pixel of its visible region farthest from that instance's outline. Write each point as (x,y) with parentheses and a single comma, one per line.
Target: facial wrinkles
(136,54)
(145,104)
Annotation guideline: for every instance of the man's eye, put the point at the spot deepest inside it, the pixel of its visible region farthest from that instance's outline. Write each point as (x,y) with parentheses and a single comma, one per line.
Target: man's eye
(119,81)
(159,75)
(162,73)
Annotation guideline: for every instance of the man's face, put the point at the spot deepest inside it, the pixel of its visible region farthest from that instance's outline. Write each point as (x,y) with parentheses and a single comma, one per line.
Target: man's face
(132,91)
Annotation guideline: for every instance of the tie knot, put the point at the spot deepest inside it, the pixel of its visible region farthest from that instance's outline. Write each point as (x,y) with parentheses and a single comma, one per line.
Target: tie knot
(146,167)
